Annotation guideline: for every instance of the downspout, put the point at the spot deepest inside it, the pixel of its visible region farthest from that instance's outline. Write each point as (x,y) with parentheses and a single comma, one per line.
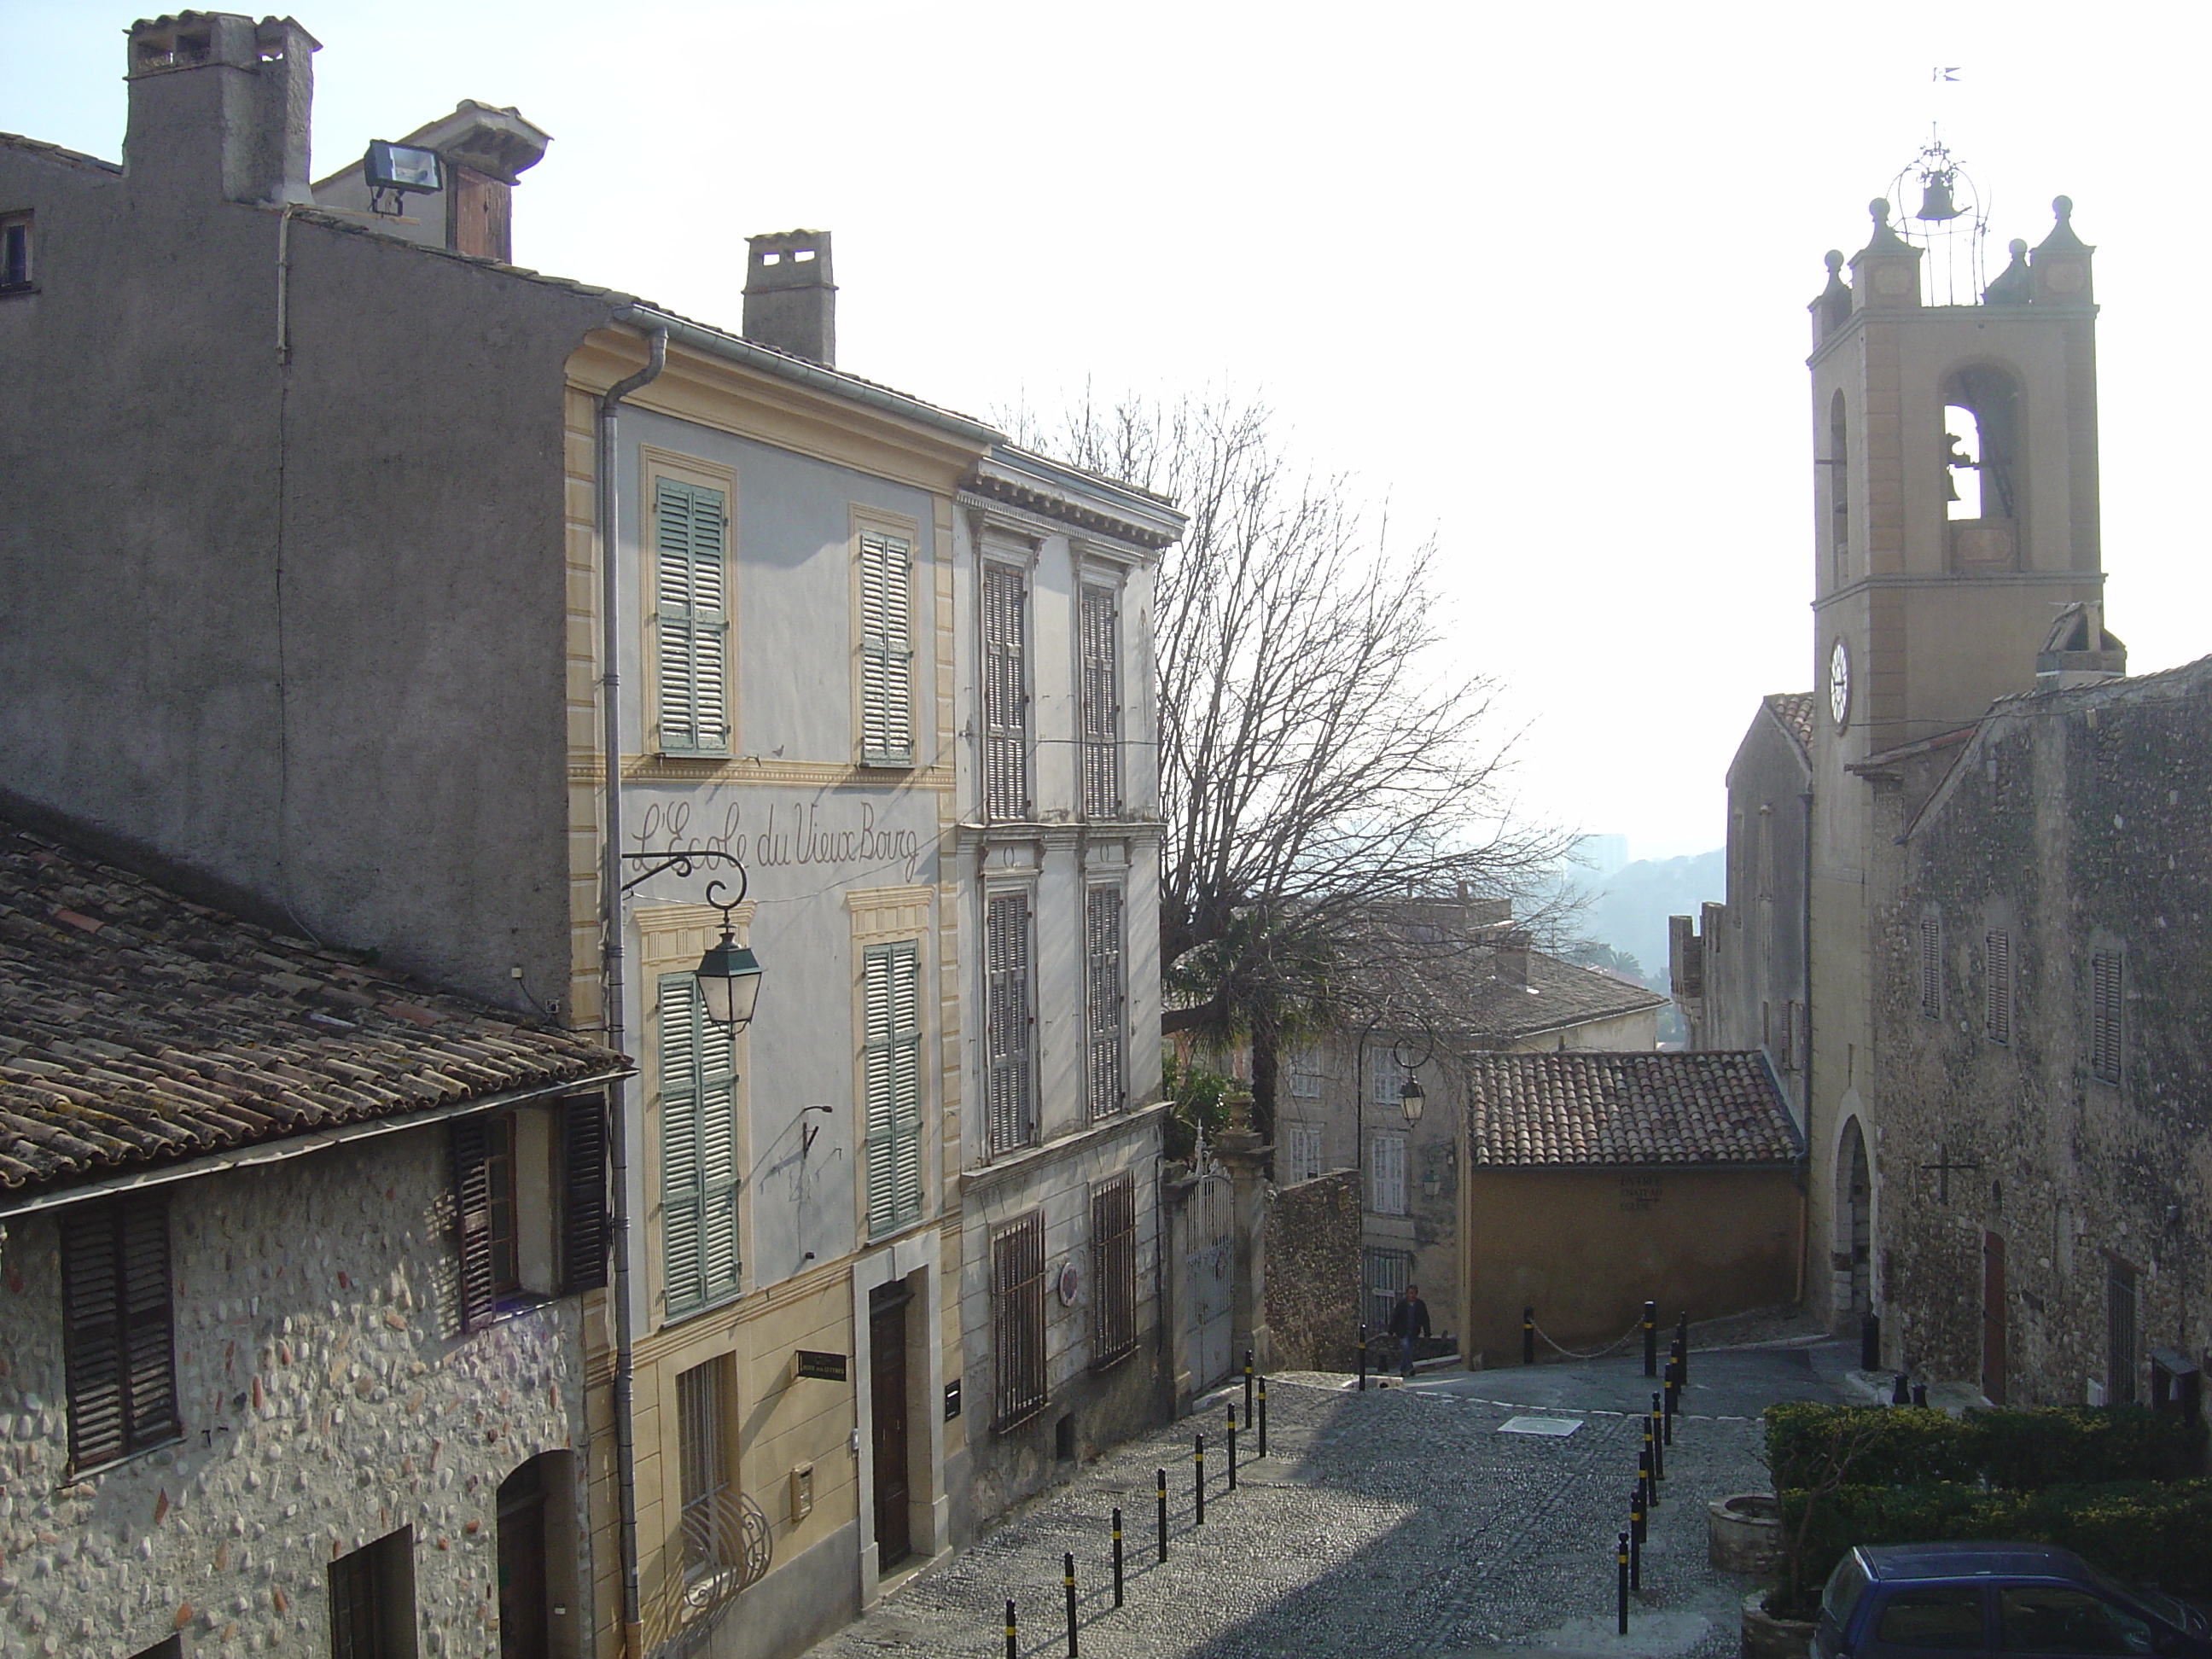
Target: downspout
(611,888)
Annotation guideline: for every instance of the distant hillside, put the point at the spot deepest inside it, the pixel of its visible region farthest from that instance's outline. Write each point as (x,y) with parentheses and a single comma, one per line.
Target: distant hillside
(1631,907)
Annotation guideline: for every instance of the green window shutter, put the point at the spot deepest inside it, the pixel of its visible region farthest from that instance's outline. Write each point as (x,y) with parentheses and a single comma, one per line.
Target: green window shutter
(691,617)
(890,996)
(698,1150)
(886,652)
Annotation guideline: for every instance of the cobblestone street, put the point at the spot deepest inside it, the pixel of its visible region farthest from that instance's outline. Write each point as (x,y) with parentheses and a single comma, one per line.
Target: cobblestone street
(1402,1520)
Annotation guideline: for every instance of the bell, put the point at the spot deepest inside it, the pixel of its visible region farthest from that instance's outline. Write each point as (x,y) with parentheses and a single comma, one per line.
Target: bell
(1936,202)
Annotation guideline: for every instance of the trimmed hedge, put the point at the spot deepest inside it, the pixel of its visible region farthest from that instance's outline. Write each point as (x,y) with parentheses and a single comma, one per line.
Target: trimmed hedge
(2017,1451)
(2156,1533)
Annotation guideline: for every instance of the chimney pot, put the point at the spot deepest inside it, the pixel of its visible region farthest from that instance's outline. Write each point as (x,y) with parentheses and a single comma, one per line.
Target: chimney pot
(220,108)
(791,296)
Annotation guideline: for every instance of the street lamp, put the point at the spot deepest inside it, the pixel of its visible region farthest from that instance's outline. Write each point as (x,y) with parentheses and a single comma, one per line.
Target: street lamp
(1411,1099)
(729,975)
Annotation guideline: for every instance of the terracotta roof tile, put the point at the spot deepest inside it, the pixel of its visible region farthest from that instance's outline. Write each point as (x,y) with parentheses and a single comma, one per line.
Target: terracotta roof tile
(1589,1107)
(137,1028)
(1795,709)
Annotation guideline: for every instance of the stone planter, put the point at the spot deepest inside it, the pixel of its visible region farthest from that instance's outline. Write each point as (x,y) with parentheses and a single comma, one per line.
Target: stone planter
(1743,1534)
(1765,1636)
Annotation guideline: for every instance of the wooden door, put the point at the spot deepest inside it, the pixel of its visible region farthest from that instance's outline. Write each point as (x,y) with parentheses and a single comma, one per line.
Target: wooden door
(1993,1318)
(887,1392)
(522,1621)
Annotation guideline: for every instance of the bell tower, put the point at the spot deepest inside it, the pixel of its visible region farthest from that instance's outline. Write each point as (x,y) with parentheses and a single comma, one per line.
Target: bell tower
(1957,488)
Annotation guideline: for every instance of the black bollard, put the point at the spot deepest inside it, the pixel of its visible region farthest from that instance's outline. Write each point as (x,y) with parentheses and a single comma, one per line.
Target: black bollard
(1528,1336)
(1232,1448)
(1362,1359)
(1162,1477)
(1669,1403)
(1870,1343)
(1638,1515)
(1067,1567)
(1651,1339)
(1248,1387)
(1658,1433)
(1919,1394)
(1263,1417)
(1901,1394)
(1010,1630)
(1620,1566)
(1644,1473)
(1117,1557)
(1198,1466)
(1635,1560)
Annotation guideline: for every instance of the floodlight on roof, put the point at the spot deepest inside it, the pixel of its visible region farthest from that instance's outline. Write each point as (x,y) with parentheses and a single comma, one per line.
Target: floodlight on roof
(392,171)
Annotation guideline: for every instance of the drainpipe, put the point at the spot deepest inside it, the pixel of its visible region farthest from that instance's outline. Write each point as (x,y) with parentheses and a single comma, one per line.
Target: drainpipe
(611,888)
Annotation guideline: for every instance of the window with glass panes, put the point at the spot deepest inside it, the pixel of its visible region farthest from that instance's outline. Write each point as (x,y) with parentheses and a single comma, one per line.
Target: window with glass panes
(1103,1017)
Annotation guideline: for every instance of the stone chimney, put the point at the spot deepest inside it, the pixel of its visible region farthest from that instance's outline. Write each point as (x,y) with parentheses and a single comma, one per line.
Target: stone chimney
(791,299)
(1510,956)
(219,108)
(2079,651)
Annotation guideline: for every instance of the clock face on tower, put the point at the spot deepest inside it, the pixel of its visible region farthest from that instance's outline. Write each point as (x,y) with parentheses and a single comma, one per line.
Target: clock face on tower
(1839,685)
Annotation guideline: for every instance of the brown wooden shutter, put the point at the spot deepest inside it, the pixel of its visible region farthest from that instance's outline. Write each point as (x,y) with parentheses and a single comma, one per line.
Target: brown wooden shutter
(473,1220)
(149,1373)
(1996,974)
(584,1196)
(116,1318)
(2104,1028)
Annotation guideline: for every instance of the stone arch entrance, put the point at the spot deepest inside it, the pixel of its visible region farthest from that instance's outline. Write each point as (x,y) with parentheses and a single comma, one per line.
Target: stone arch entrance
(1853,1257)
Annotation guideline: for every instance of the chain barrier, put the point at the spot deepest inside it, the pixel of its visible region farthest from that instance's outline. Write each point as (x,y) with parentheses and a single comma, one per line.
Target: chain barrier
(1634,1332)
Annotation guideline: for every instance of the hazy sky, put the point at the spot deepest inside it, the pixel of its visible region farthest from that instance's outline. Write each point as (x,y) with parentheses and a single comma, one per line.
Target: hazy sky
(1536,275)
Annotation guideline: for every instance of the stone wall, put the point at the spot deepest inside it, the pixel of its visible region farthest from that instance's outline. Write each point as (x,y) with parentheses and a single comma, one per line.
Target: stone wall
(326,1401)
(1313,1272)
(2074,823)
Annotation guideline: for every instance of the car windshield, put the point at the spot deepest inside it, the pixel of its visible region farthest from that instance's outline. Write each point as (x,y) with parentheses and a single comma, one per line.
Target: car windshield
(1844,1584)
(2164,1606)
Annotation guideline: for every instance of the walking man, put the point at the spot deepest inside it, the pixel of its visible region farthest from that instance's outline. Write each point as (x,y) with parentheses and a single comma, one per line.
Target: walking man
(1409,1317)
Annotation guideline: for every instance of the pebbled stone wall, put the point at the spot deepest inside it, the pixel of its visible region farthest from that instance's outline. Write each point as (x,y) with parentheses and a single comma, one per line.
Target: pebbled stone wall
(326,1401)
(1313,1272)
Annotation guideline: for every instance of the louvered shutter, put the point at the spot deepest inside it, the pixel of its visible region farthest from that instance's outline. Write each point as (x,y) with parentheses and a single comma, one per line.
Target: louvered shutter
(1102,1009)
(583,1195)
(1007,1014)
(1996,963)
(472,1142)
(698,1150)
(1389,1152)
(2105,1015)
(1005,694)
(892,1019)
(1102,710)
(117,1323)
(691,617)
(886,652)
(1931,967)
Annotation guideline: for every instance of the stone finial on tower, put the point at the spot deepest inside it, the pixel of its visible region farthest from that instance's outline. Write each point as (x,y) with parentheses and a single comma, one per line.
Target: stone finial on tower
(2060,263)
(1885,272)
(1832,309)
(791,299)
(2012,286)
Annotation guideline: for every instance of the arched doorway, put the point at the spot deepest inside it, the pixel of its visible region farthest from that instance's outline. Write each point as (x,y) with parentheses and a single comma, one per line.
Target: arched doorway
(1854,1257)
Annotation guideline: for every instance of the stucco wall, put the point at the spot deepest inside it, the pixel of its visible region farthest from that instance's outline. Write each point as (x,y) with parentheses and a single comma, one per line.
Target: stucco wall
(1313,1272)
(326,1403)
(1585,1248)
(2075,821)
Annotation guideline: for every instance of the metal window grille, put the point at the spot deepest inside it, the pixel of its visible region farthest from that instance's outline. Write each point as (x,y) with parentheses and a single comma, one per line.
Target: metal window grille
(886,651)
(1017,1319)
(1931,967)
(1008,1022)
(116,1322)
(702,1454)
(1305,1072)
(1387,1273)
(1300,1153)
(1113,1270)
(1104,1017)
(2104,1028)
(690,621)
(1997,985)
(890,1000)
(1388,1161)
(1101,705)
(1005,694)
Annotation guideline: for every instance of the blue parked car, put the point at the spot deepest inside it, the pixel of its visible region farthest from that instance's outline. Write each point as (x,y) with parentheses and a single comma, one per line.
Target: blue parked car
(1911,1600)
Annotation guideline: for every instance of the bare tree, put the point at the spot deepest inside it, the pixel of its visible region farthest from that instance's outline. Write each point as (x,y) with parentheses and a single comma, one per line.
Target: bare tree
(1324,758)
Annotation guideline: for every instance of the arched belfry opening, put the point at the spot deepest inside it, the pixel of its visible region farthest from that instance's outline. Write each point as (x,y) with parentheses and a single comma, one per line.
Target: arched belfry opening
(1839,492)
(1981,462)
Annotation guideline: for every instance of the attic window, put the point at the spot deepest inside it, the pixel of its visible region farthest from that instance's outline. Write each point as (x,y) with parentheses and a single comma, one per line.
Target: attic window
(16,270)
